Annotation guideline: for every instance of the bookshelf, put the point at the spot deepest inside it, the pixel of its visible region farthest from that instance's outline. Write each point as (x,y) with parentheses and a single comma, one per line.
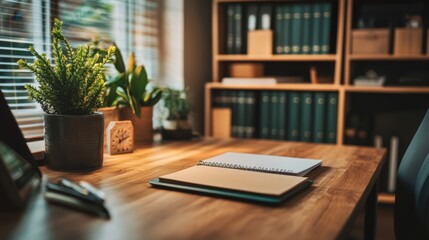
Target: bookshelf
(361,15)
(330,62)
(340,62)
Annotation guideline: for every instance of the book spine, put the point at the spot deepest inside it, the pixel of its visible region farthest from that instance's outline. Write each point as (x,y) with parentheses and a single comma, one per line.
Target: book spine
(238,29)
(331,121)
(279,30)
(319,117)
(241,113)
(274,134)
(252,17)
(393,164)
(230,23)
(296,28)
(264,129)
(234,108)
(282,98)
(250,127)
(316,28)
(326,27)
(306,29)
(306,116)
(287,29)
(293,115)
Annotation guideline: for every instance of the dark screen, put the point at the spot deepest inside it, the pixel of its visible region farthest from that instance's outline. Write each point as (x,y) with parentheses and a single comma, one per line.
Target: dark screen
(11,135)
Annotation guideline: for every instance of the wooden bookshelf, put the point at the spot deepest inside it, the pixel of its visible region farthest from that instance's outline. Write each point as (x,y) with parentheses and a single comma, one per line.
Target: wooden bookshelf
(344,65)
(282,58)
(220,59)
(386,89)
(387,57)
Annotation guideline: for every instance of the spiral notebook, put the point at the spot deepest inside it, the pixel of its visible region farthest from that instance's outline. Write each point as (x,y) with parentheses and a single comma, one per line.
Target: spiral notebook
(263,163)
(226,175)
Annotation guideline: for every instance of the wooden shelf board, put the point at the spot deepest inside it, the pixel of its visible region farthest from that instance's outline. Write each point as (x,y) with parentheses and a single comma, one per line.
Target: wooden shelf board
(300,57)
(387,57)
(388,89)
(283,86)
(386,198)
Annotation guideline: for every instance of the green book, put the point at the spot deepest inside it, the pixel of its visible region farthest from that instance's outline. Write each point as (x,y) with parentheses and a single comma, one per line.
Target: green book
(278,48)
(319,117)
(306,116)
(296,25)
(306,29)
(316,26)
(250,116)
(282,107)
(233,96)
(230,23)
(220,99)
(326,27)
(241,113)
(264,114)
(331,121)
(287,29)
(238,29)
(274,102)
(294,100)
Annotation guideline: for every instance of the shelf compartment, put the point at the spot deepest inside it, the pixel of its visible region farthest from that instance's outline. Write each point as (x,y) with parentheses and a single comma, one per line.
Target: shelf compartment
(387,89)
(387,57)
(271,58)
(281,86)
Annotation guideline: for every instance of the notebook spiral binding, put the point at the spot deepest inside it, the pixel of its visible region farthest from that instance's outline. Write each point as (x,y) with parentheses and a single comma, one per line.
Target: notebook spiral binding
(247,168)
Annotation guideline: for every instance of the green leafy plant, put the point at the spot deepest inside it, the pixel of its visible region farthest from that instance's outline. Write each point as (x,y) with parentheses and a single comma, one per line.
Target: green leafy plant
(175,102)
(74,84)
(131,85)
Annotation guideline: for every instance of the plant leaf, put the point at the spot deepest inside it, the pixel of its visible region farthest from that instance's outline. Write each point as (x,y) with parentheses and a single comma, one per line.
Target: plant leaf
(119,60)
(138,82)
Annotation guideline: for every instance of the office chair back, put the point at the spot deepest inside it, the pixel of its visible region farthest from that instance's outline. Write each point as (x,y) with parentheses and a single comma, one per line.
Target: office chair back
(412,190)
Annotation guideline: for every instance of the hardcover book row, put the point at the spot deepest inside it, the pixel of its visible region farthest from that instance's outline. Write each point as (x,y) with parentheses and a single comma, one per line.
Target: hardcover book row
(283,115)
(298,28)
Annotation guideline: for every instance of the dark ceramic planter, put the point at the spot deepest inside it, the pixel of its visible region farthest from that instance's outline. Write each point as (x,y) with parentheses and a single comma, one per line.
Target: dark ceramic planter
(74,142)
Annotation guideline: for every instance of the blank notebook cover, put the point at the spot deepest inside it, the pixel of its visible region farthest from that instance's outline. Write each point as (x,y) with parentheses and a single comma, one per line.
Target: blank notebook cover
(236,180)
(263,163)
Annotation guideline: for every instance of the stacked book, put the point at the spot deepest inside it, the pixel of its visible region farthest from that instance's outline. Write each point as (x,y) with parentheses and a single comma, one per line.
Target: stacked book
(297,28)
(283,115)
(299,116)
(302,28)
(243,107)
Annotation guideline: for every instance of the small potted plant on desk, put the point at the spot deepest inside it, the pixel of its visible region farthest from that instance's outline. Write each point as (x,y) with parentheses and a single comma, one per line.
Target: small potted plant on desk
(69,92)
(136,100)
(175,126)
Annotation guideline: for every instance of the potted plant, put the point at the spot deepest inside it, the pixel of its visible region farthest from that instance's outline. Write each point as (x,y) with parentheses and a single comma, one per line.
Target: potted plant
(69,91)
(176,105)
(135,97)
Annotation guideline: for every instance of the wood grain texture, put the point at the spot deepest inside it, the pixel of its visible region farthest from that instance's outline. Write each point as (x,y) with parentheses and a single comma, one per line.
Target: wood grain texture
(324,211)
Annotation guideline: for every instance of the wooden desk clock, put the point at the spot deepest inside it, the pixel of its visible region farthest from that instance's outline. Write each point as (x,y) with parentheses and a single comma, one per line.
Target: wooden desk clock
(120,137)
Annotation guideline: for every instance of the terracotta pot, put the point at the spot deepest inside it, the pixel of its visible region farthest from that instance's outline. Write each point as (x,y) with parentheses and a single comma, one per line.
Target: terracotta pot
(74,142)
(143,130)
(110,114)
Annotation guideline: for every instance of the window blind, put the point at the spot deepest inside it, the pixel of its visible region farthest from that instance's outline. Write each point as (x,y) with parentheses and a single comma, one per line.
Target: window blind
(132,24)
(20,27)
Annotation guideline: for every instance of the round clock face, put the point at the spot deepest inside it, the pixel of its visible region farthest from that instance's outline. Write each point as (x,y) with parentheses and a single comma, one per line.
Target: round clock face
(120,137)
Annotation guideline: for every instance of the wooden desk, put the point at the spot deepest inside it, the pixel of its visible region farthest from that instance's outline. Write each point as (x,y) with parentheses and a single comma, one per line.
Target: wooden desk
(324,211)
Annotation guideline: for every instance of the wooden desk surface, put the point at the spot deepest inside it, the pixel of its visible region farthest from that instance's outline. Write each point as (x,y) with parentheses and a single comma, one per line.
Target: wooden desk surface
(324,211)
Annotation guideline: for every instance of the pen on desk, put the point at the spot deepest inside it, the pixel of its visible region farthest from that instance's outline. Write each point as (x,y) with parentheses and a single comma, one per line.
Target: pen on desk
(92,189)
(70,184)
